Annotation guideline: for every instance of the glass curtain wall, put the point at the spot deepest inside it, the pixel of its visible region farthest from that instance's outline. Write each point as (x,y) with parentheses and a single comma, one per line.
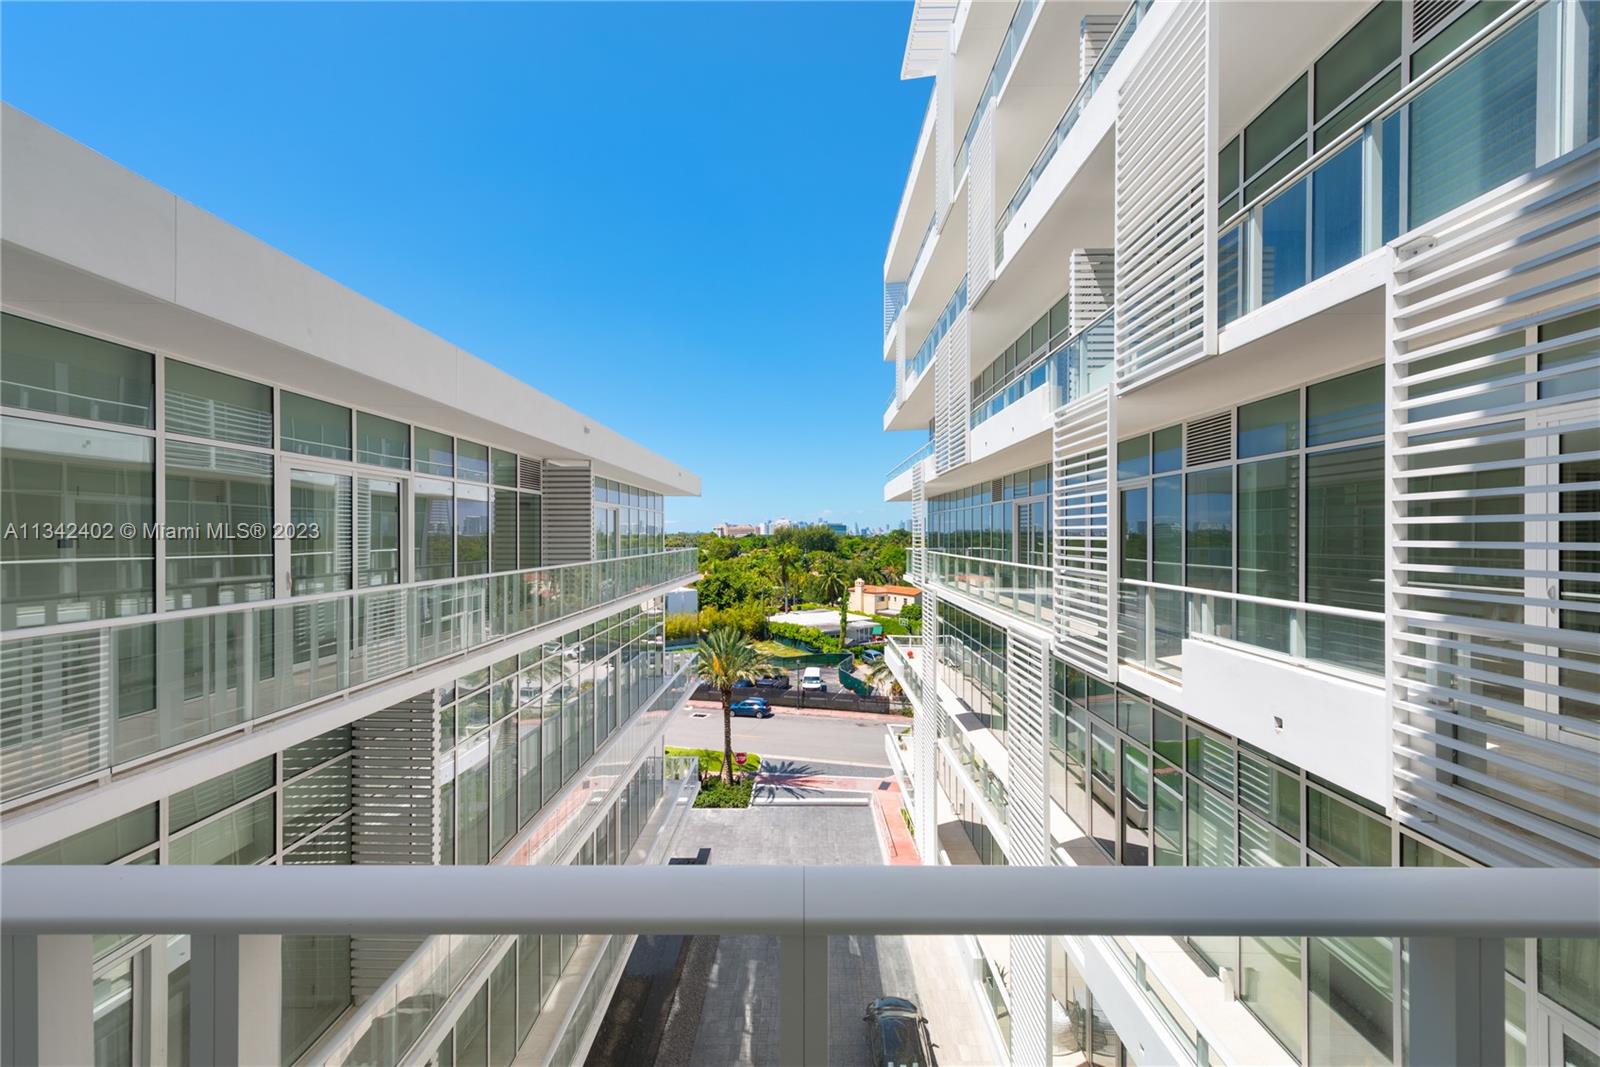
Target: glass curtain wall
(1005,519)
(628,521)
(1296,515)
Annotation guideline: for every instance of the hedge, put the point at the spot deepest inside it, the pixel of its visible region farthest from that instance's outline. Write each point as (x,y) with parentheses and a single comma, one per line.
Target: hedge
(807,635)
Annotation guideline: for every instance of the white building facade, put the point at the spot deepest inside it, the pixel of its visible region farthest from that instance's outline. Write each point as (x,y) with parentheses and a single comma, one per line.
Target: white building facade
(1257,352)
(288,580)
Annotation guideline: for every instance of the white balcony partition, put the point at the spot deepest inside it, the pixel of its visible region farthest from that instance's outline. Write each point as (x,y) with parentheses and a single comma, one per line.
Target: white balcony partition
(1165,224)
(980,206)
(1494,623)
(952,394)
(1085,550)
(925,736)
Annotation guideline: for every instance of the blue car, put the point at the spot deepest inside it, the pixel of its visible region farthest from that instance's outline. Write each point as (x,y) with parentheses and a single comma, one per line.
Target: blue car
(754,708)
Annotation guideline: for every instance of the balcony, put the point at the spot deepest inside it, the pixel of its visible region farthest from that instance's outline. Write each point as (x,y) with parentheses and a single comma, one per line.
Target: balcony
(1069,118)
(1456,922)
(897,484)
(1020,589)
(1082,364)
(78,699)
(1493,111)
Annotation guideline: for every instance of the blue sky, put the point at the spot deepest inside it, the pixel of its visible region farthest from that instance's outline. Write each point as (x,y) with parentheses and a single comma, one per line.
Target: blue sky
(672,216)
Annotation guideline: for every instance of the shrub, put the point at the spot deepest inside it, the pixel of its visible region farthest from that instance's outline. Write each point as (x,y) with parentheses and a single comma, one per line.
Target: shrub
(806,635)
(713,794)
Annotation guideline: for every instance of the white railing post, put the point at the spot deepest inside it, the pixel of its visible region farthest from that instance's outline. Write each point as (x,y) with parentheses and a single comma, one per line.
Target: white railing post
(235,999)
(48,1000)
(803,1000)
(1457,992)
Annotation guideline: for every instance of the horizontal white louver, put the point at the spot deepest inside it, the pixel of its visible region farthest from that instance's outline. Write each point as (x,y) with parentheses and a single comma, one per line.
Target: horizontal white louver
(980,208)
(567,517)
(53,696)
(1494,610)
(952,395)
(1084,553)
(530,473)
(1093,273)
(1165,225)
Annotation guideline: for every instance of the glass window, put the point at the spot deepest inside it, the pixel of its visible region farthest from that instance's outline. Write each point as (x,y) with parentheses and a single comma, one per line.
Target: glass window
(502,783)
(1228,169)
(1344,528)
(1336,237)
(1363,105)
(315,800)
(105,843)
(1209,509)
(1352,1000)
(314,427)
(379,543)
(503,536)
(436,452)
(472,801)
(1211,760)
(54,476)
(189,806)
(1357,57)
(503,1011)
(434,528)
(113,1016)
(300,758)
(1166,530)
(1452,36)
(503,467)
(1280,124)
(1167,796)
(1584,377)
(1343,833)
(207,403)
(243,836)
(472,461)
(1135,533)
(316,988)
(1167,449)
(529,550)
(472,529)
(319,506)
(1135,806)
(43,368)
(383,442)
(1133,457)
(1271,792)
(1569,974)
(1269,529)
(1283,243)
(1344,408)
(224,496)
(1270,425)
(1475,128)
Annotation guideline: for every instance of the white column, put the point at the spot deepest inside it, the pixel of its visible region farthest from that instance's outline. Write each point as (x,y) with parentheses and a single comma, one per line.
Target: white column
(235,999)
(48,1016)
(803,1000)
(1456,987)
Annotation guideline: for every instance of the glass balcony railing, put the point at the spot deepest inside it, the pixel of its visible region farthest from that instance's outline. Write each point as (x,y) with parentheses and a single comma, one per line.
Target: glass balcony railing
(1019,588)
(1487,114)
(1021,20)
(1154,619)
(923,452)
(1069,118)
(79,698)
(952,308)
(1079,366)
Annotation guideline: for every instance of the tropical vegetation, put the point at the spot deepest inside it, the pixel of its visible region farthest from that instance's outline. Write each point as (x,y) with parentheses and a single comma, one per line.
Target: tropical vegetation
(724,658)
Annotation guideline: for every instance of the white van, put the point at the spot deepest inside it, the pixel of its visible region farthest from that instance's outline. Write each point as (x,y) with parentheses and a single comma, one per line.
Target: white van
(811,680)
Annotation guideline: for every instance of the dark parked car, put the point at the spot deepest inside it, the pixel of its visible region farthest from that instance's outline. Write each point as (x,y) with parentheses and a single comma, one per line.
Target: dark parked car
(744,683)
(897,1034)
(773,681)
(754,708)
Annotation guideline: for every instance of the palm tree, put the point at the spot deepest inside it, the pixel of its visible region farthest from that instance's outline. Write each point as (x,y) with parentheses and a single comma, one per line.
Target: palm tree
(787,559)
(833,582)
(882,679)
(723,659)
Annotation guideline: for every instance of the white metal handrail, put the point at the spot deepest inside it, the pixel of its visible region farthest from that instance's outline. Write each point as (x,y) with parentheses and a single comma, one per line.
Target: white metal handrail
(809,900)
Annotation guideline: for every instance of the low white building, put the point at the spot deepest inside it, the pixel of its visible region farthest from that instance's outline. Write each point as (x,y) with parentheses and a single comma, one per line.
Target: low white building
(827,621)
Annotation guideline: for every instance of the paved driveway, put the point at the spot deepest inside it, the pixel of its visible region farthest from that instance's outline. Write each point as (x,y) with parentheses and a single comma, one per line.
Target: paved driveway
(849,740)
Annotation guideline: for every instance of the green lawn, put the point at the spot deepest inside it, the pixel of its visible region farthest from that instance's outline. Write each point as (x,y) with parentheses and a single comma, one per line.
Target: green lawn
(711,759)
(775,651)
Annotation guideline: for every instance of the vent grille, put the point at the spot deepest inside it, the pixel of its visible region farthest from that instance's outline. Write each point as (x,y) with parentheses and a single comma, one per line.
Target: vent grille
(1208,440)
(1429,15)
(568,514)
(530,473)
(997,490)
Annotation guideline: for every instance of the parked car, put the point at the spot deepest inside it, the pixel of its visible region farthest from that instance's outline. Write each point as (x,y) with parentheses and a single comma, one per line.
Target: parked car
(754,708)
(773,681)
(811,681)
(897,1034)
(872,655)
(744,683)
